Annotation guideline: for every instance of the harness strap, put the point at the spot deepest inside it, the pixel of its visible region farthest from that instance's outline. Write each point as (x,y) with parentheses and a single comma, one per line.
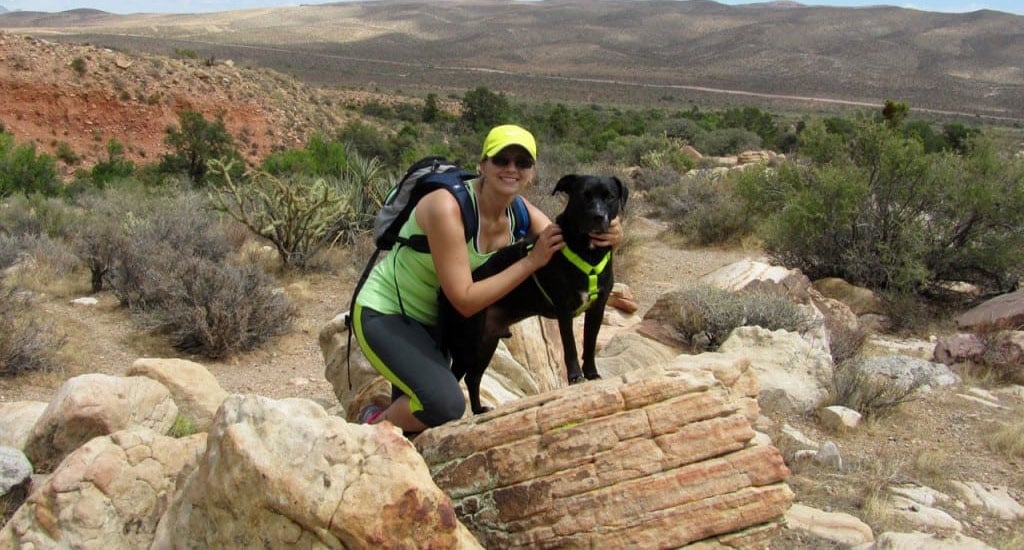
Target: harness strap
(591,271)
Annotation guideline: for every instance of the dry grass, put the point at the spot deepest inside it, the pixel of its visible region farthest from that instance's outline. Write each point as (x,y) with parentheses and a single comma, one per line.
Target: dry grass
(1008,439)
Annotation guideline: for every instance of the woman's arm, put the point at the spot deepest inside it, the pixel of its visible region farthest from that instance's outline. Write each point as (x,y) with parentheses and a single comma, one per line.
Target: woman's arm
(439,217)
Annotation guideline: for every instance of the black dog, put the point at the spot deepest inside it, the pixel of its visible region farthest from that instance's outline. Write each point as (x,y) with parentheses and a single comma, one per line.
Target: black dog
(578,278)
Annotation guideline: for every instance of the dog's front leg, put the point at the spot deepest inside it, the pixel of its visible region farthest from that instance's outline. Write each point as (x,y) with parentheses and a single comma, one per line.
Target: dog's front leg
(572,361)
(592,321)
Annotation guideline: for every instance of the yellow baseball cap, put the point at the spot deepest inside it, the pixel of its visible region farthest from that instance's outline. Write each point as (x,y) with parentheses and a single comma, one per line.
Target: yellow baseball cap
(502,136)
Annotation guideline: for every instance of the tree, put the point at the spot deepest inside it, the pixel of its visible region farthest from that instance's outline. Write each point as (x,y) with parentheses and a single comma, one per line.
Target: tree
(195,142)
(895,112)
(482,108)
(114,168)
(430,109)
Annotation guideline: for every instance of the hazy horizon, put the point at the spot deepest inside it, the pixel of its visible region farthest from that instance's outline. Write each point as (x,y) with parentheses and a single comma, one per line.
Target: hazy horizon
(205,6)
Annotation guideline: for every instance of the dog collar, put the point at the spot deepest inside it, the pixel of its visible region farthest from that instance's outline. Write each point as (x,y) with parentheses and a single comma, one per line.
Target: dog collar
(590,270)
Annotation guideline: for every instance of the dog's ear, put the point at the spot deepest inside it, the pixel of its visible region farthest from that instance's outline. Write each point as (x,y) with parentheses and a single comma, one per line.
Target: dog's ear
(565,184)
(623,192)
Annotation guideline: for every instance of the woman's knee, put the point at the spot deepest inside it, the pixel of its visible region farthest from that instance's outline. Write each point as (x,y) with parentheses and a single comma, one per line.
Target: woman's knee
(442,406)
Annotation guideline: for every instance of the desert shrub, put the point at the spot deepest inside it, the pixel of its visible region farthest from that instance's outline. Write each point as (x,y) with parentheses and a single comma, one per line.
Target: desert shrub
(24,171)
(216,309)
(66,154)
(704,210)
(727,141)
(10,250)
(115,167)
(194,142)
(877,211)
(50,266)
(709,314)
(27,343)
(647,151)
(302,215)
(155,239)
(873,395)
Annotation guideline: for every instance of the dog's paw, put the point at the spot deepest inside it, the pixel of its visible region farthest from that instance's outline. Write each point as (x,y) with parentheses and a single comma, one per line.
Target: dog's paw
(576,379)
(594,376)
(483,410)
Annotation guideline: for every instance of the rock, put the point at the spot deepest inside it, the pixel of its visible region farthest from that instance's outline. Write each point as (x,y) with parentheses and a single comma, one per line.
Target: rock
(16,421)
(285,474)
(748,157)
(1006,353)
(916,540)
(908,371)
(860,300)
(622,298)
(833,526)
(92,405)
(1005,311)
(109,493)
(348,373)
(15,469)
(660,457)
(792,438)
(828,456)
(794,377)
(958,348)
(995,499)
(629,351)
(884,344)
(920,494)
(690,151)
(923,515)
(85,301)
(195,391)
(838,418)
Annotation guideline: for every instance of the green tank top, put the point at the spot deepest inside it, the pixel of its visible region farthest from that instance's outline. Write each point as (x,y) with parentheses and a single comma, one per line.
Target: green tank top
(407,279)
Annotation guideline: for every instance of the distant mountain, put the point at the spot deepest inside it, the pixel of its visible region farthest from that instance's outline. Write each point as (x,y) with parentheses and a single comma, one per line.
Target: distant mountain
(673,54)
(3,9)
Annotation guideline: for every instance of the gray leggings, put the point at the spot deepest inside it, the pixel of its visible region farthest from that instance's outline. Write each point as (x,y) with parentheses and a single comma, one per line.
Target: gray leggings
(408,355)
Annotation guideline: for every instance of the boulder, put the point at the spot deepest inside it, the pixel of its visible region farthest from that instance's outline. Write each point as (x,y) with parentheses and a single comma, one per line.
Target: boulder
(750,274)
(916,540)
(958,348)
(15,469)
(860,300)
(837,527)
(660,457)
(1006,352)
(348,373)
(906,371)
(794,377)
(195,391)
(285,474)
(109,493)
(92,405)
(16,421)
(1005,311)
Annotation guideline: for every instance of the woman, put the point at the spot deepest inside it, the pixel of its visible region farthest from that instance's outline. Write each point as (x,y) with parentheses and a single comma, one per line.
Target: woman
(404,348)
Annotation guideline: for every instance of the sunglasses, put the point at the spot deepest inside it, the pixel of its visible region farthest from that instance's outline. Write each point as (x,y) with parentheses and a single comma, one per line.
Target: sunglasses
(521,163)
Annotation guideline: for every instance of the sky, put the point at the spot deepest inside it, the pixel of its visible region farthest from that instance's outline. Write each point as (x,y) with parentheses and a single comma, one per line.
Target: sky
(201,6)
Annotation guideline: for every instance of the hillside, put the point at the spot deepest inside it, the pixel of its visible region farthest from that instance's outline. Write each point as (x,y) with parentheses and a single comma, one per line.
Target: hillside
(673,54)
(50,99)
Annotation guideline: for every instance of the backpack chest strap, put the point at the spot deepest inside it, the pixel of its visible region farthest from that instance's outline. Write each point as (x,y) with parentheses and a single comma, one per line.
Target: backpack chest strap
(590,270)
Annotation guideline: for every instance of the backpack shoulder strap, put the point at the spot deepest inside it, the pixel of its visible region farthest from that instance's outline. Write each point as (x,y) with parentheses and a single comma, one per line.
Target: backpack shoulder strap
(520,219)
(456,182)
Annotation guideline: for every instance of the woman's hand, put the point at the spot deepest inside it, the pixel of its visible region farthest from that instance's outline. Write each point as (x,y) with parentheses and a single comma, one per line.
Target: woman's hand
(548,242)
(612,238)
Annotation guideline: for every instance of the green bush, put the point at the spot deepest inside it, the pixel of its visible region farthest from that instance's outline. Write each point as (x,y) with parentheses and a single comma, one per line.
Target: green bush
(23,171)
(878,211)
(704,210)
(194,142)
(27,343)
(707,315)
(727,141)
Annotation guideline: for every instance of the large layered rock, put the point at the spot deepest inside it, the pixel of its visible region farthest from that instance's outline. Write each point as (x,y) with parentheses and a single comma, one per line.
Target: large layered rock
(92,405)
(196,392)
(285,474)
(661,457)
(109,493)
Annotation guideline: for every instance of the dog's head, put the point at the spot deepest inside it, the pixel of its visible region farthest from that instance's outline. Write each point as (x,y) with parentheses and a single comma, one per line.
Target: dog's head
(594,201)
